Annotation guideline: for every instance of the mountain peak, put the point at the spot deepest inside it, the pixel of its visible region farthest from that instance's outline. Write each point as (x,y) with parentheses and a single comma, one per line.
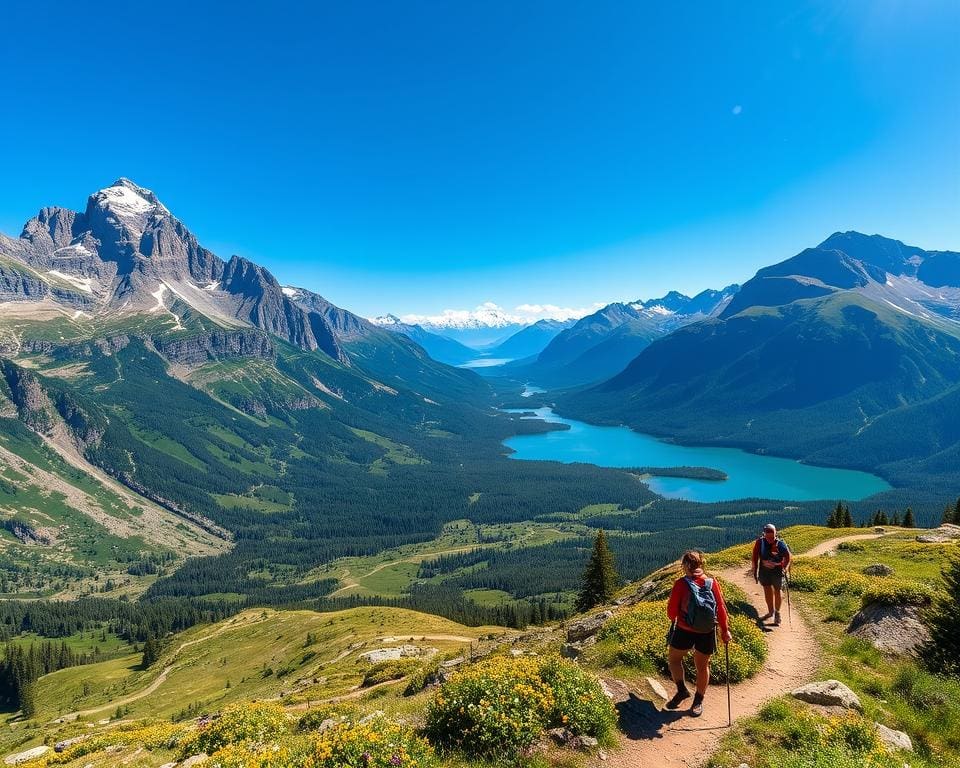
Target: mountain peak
(126,199)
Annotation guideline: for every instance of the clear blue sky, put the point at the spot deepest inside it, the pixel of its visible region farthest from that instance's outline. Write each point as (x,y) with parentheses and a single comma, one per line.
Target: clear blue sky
(410,157)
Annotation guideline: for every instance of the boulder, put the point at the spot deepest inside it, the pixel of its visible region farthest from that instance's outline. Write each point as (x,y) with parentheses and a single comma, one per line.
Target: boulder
(587,627)
(894,741)
(894,629)
(828,693)
(943,534)
(570,650)
(194,760)
(27,755)
(61,746)
(879,529)
(396,653)
(878,569)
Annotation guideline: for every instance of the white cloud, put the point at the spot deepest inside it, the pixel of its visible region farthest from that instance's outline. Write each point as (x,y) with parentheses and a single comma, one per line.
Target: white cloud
(492,314)
(737,109)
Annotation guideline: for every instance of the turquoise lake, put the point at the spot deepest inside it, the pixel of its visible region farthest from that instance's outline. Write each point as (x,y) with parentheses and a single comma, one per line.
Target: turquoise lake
(748,474)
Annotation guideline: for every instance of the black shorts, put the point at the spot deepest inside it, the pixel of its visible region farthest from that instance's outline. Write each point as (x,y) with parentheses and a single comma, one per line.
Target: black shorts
(771,577)
(684,640)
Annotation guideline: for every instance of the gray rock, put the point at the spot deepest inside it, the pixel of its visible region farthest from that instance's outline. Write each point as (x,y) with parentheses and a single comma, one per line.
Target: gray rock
(895,629)
(60,746)
(878,529)
(657,687)
(571,650)
(194,760)
(878,569)
(26,755)
(642,591)
(828,693)
(587,627)
(587,742)
(894,741)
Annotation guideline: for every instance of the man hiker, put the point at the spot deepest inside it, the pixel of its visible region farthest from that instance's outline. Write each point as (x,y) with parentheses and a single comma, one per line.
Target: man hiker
(771,561)
(695,607)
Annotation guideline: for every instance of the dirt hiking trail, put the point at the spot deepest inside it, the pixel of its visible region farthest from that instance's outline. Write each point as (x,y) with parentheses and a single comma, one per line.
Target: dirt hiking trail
(660,738)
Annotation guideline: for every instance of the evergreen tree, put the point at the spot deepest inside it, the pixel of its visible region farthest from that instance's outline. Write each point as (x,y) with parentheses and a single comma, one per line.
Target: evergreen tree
(600,578)
(150,652)
(956,513)
(948,514)
(942,652)
(847,518)
(832,520)
(908,521)
(896,519)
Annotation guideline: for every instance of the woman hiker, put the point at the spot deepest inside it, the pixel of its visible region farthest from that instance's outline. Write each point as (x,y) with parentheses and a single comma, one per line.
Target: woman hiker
(695,607)
(773,557)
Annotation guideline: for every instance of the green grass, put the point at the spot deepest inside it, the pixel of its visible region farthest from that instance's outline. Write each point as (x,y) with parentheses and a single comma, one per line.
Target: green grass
(390,573)
(166,445)
(295,655)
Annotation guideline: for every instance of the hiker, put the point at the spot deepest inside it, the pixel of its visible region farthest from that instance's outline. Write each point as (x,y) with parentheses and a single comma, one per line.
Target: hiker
(695,607)
(772,555)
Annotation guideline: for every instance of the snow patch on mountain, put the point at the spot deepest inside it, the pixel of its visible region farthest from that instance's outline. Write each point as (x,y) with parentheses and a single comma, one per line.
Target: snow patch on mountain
(83,283)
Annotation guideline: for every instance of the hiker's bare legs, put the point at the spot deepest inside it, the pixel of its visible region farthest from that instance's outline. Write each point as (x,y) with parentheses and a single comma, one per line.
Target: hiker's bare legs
(702,662)
(778,598)
(768,596)
(675,662)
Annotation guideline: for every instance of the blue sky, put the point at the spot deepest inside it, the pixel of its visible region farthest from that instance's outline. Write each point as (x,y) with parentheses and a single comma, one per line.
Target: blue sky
(412,157)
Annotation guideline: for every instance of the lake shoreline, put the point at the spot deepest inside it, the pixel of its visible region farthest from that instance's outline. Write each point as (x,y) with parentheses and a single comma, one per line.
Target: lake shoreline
(703,472)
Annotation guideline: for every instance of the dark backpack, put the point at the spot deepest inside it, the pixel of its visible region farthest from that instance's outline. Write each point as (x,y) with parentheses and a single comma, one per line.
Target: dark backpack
(766,548)
(702,606)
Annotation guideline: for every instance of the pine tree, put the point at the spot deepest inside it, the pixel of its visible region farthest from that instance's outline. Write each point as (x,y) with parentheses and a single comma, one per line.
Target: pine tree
(836,517)
(956,513)
(908,521)
(942,652)
(948,515)
(600,578)
(150,652)
(847,518)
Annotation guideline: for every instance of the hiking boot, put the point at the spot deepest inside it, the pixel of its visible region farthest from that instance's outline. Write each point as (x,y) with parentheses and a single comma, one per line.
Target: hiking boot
(766,616)
(678,698)
(696,708)
(776,618)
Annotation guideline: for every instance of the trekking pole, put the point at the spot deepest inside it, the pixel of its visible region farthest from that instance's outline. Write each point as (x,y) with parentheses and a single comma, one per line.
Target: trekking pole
(786,580)
(726,648)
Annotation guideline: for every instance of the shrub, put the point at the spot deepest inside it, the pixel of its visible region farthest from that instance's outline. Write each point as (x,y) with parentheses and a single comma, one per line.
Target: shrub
(378,743)
(239,723)
(385,671)
(579,702)
(897,592)
(500,706)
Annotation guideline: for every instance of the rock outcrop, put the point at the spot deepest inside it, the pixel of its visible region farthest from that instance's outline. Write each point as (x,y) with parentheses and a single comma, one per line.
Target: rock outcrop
(894,629)
(216,345)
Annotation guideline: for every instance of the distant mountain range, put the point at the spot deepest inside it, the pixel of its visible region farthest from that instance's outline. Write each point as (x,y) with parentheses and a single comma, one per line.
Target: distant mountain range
(602,344)
(441,348)
(846,354)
